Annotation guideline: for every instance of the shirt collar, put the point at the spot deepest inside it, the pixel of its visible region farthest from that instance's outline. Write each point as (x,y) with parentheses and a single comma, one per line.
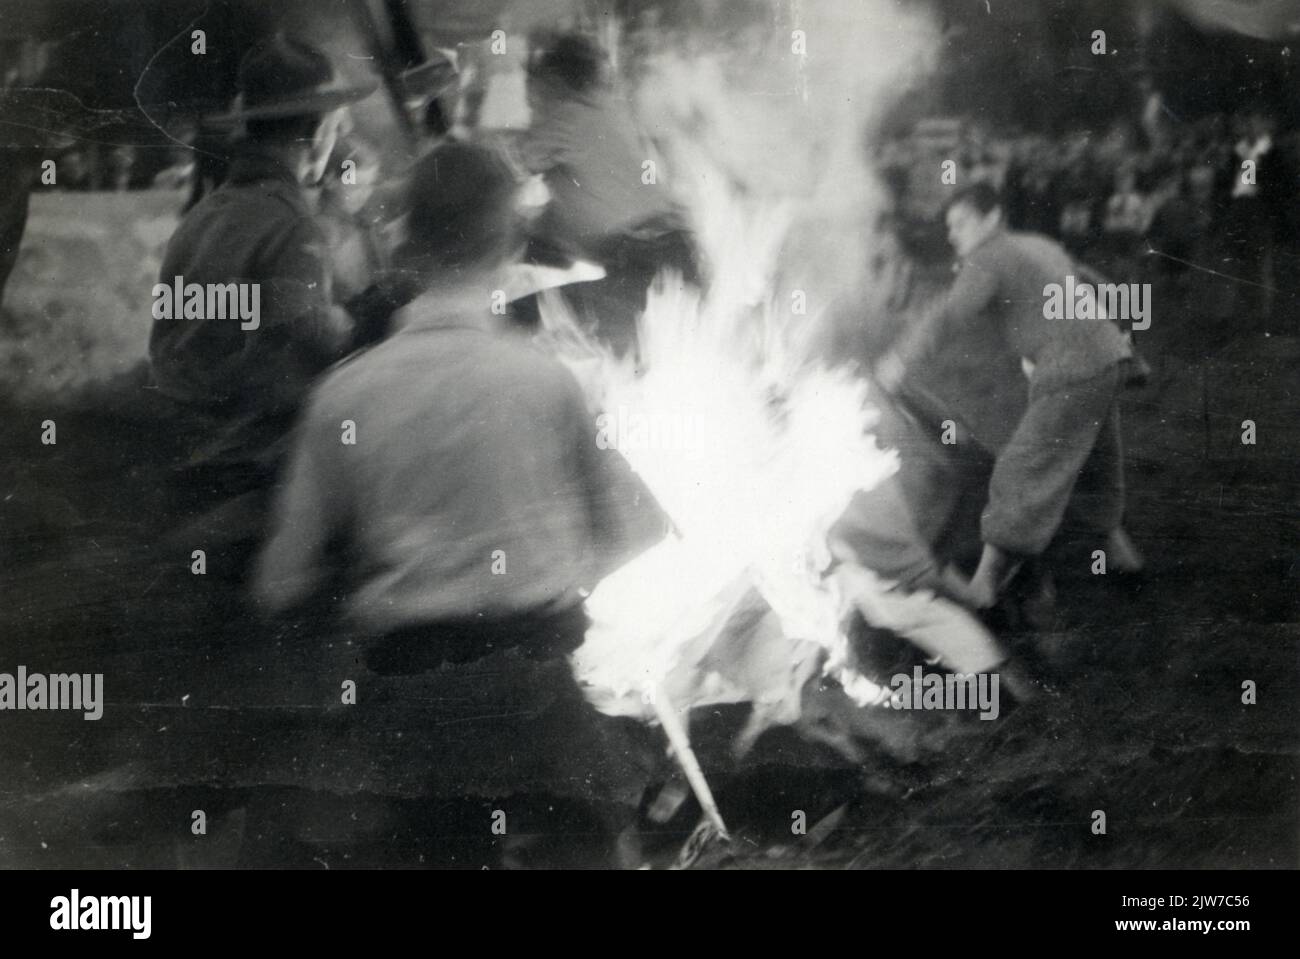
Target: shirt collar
(1000,231)
(443,308)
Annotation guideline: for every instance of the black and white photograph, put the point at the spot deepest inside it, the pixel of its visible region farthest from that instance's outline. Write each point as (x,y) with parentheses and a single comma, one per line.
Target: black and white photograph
(660,435)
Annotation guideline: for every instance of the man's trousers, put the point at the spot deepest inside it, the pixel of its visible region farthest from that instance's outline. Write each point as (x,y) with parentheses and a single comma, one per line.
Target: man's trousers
(1069,433)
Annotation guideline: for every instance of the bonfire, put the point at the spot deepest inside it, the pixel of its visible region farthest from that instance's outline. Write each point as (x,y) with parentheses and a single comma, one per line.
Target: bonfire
(770,442)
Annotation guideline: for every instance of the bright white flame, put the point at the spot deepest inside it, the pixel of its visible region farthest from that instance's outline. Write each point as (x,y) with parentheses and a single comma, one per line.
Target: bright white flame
(767,154)
(780,445)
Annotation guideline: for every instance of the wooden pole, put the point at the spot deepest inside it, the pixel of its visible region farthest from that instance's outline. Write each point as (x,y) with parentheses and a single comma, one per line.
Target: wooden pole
(681,744)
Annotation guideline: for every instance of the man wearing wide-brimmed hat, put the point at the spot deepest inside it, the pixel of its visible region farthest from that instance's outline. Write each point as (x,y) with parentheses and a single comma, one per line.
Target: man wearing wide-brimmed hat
(243,378)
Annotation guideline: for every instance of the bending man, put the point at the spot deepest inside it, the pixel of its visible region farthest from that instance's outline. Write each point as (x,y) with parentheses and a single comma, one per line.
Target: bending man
(1074,374)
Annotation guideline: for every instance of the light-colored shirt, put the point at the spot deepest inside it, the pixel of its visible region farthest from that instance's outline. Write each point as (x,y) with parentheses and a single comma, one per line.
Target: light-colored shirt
(1003,281)
(592,157)
(474,485)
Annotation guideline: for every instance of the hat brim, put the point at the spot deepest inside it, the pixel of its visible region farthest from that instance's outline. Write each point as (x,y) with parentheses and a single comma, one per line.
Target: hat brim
(526,279)
(320,101)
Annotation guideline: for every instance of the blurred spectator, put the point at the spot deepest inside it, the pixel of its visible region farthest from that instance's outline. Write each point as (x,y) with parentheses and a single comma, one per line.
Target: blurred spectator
(1125,218)
(1076,228)
(1249,223)
(1126,210)
(121,161)
(984,168)
(595,162)
(1181,220)
(356,247)
(1181,189)
(32,137)
(1152,120)
(584,142)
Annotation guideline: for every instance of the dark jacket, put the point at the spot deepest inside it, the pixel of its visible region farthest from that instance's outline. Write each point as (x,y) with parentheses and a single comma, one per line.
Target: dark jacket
(257,228)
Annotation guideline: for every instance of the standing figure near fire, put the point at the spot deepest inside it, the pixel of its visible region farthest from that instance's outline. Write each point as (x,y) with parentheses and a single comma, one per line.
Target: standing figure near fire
(608,202)
(357,245)
(1074,369)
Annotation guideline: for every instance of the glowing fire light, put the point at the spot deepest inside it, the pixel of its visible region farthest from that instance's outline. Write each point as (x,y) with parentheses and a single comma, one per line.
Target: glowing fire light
(780,445)
(776,189)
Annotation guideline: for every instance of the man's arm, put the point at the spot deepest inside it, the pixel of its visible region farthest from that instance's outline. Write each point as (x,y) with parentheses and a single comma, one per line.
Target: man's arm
(306,514)
(303,311)
(970,294)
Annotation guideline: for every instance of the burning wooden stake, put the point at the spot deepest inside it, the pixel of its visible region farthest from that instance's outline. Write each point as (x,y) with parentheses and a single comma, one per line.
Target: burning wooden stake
(681,744)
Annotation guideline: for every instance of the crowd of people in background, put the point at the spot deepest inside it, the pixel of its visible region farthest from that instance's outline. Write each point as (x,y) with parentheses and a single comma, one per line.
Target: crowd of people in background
(1142,201)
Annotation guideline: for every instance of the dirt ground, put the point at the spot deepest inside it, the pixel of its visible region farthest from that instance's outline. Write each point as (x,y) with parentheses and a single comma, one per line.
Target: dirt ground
(1150,727)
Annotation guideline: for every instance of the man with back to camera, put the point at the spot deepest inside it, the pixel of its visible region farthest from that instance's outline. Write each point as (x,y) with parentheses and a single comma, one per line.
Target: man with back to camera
(471,511)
